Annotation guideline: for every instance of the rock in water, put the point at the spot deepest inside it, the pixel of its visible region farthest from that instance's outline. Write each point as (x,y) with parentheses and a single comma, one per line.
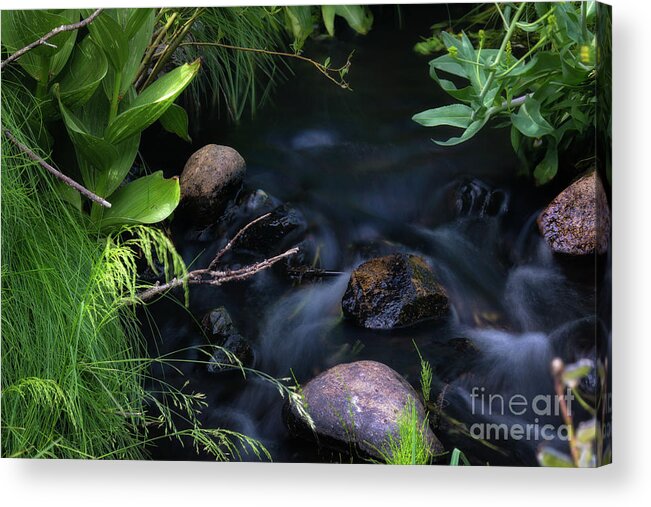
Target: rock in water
(577,221)
(207,180)
(223,333)
(393,291)
(358,404)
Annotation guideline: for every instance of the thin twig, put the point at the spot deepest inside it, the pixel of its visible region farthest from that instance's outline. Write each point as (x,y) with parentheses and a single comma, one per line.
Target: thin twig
(55,172)
(230,244)
(43,40)
(557,371)
(215,278)
(325,70)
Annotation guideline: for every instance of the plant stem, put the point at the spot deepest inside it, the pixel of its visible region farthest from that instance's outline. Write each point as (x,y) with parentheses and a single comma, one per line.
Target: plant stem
(115,98)
(498,57)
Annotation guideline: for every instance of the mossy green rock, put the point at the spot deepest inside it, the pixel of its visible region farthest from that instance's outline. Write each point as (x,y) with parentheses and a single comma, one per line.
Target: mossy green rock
(393,291)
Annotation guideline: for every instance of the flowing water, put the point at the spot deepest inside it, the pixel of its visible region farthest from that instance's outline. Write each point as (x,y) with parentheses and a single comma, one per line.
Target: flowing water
(369,181)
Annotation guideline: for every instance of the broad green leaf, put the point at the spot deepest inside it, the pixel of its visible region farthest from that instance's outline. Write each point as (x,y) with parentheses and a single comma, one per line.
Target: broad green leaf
(95,150)
(84,74)
(529,121)
(22,27)
(550,457)
(109,35)
(358,17)
(299,23)
(146,200)
(469,133)
(175,120)
(548,167)
(150,105)
(455,115)
(140,28)
(328,14)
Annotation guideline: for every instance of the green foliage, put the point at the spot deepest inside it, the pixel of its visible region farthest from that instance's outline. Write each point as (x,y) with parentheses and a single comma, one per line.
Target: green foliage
(458,457)
(426,376)
(409,445)
(546,95)
(94,95)
(301,21)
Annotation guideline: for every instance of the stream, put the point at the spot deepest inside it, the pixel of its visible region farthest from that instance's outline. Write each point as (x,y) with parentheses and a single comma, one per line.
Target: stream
(365,181)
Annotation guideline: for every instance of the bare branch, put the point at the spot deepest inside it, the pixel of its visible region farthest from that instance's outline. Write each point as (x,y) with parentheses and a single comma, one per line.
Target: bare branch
(230,244)
(55,172)
(215,278)
(43,41)
(326,70)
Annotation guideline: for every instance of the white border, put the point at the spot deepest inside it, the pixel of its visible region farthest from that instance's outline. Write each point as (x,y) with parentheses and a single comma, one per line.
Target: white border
(25,482)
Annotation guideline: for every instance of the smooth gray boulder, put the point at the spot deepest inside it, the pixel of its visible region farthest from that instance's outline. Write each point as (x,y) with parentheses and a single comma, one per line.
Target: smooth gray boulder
(358,404)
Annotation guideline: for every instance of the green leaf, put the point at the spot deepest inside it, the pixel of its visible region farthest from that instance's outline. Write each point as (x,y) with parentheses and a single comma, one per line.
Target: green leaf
(328,14)
(84,74)
(150,105)
(586,432)
(109,35)
(550,457)
(529,121)
(146,200)
(175,120)
(22,27)
(469,133)
(455,115)
(140,28)
(299,22)
(548,167)
(358,17)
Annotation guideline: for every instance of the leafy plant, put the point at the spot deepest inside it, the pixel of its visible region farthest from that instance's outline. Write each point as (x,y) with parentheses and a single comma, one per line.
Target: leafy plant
(426,376)
(90,86)
(546,95)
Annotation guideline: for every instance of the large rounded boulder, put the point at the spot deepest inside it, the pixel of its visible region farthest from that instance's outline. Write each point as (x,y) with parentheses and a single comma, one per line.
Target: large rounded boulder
(209,178)
(393,291)
(577,221)
(358,405)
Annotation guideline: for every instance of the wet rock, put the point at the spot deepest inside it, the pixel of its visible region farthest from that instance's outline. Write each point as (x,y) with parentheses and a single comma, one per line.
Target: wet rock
(219,323)
(577,221)
(357,404)
(393,291)
(472,197)
(235,345)
(223,333)
(208,179)
(284,227)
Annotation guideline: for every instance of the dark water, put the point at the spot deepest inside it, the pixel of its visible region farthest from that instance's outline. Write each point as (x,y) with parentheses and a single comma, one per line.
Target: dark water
(369,181)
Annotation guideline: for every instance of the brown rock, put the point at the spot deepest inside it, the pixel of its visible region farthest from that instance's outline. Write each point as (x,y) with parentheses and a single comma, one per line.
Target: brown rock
(207,180)
(393,291)
(577,221)
(359,404)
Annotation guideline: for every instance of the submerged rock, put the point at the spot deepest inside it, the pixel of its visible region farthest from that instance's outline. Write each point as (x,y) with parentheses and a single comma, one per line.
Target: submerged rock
(393,291)
(223,333)
(358,404)
(577,221)
(209,177)
(283,228)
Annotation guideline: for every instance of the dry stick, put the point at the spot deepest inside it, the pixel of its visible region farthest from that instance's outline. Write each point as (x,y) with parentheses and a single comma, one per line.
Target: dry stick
(326,71)
(216,278)
(43,40)
(230,244)
(55,172)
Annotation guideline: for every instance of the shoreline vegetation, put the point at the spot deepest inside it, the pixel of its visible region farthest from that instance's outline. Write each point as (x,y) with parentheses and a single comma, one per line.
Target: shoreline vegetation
(83,222)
